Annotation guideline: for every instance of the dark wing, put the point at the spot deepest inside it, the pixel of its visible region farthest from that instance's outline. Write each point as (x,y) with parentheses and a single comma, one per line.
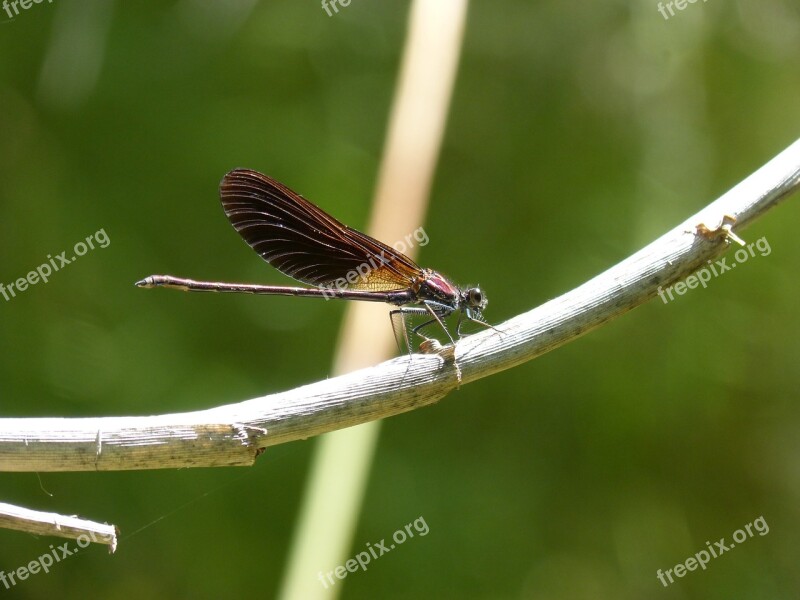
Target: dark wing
(304,242)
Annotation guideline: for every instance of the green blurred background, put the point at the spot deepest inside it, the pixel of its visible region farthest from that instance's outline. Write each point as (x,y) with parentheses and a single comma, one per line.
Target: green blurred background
(578,133)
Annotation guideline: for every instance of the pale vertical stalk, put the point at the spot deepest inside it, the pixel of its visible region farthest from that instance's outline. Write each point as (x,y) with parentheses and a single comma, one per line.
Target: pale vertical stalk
(342,460)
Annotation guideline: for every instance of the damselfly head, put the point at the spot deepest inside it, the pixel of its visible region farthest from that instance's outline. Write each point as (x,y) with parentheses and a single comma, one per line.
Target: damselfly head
(474,298)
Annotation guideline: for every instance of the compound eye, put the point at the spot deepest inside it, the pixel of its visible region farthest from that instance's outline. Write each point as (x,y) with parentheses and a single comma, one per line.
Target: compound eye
(475,297)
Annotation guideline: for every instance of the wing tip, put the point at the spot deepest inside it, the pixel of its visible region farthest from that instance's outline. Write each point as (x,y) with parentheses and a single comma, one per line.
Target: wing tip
(234,174)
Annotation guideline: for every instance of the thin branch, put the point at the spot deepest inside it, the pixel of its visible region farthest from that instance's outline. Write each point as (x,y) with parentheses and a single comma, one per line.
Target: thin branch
(235,434)
(47,523)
